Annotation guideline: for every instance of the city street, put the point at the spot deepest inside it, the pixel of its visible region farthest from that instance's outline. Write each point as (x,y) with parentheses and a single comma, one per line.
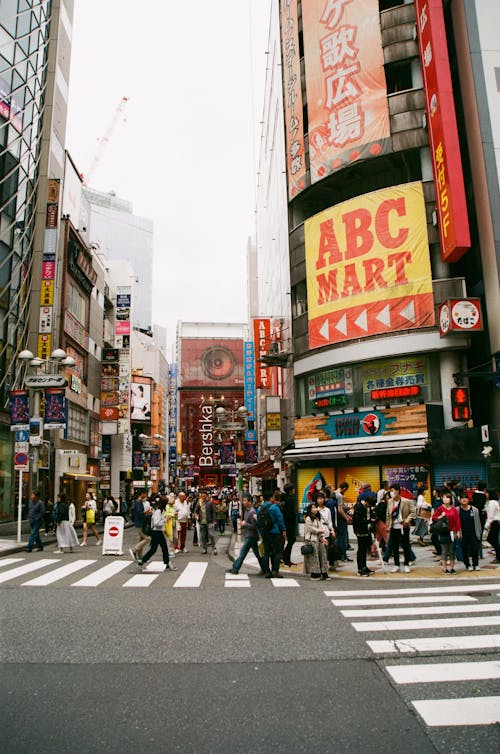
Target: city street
(198,661)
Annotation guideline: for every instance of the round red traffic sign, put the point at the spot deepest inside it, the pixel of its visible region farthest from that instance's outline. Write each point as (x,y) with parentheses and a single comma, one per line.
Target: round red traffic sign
(21,459)
(113,531)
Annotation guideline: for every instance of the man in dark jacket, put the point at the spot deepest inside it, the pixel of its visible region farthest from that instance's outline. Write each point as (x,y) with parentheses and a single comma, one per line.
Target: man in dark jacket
(36,515)
(141,509)
(273,548)
(250,537)
(204,512)
(360,524)
(289,510)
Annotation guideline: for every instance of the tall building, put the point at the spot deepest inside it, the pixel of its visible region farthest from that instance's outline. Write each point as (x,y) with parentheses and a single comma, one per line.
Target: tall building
(34,74)
(390,113)
(120,234)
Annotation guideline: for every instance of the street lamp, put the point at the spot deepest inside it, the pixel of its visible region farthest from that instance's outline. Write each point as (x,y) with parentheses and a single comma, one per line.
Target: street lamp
(45,376)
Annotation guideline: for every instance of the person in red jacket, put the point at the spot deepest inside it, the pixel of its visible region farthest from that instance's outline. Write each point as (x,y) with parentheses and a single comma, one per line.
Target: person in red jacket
(447,541)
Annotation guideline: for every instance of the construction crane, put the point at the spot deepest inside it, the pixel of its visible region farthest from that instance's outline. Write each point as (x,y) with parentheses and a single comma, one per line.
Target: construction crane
(102,143)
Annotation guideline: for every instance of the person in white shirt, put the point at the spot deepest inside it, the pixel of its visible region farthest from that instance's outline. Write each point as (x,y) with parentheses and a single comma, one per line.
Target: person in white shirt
(382,491)
(89,510)
(492,526)
(183,513)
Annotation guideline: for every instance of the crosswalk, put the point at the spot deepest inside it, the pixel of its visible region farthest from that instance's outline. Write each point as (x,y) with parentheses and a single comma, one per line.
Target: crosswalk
(92,573)
(472,610)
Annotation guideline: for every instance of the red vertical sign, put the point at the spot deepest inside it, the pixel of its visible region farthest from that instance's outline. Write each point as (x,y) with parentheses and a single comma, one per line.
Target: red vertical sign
(442,128)
(262,340)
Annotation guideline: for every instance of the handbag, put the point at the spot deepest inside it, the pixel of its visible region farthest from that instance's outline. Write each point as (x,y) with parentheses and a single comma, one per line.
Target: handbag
(90,516)
(441,526)
(307,549)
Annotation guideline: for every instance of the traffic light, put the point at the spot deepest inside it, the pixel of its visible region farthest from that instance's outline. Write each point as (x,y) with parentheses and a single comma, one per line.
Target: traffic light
(460,408)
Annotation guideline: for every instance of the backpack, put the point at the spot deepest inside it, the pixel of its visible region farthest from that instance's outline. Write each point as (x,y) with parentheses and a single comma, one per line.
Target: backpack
(265,521)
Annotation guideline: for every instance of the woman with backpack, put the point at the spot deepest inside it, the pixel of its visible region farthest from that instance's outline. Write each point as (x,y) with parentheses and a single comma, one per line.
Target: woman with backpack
(449,533)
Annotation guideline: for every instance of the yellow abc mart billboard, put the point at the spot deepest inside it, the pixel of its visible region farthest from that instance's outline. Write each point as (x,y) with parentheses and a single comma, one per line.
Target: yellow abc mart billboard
(368,267)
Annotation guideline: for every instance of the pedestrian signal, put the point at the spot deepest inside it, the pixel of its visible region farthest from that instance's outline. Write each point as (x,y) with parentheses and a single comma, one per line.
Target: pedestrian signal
(460,408)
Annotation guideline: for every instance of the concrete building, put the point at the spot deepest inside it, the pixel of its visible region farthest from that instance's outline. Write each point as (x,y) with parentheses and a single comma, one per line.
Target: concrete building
(390,126)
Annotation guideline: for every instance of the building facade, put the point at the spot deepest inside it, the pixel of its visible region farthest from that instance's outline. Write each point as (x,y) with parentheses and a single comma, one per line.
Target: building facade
(393,244)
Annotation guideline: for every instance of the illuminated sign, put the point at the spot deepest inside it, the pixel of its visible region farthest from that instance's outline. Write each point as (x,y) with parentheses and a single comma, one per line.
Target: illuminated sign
(330,401)
(410,391)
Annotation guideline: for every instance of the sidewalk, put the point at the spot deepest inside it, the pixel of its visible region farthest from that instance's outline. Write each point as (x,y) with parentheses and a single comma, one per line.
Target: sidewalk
(10,546)
(425,567)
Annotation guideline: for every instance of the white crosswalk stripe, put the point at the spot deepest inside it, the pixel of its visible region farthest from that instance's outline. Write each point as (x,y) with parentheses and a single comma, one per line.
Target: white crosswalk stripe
(8,561)
(103,574)
(466,610)
(36,565)
(59,573)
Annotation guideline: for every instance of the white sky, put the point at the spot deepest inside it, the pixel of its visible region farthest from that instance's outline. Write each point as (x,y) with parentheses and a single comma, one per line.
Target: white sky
(186,154)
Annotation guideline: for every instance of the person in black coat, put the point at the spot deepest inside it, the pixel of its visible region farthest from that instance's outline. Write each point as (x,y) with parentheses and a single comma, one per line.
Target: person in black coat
(289,510)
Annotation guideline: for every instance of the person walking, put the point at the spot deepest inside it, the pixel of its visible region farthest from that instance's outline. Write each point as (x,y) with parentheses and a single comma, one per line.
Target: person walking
(447,540)
(343,521)
(171,525)
(158,536)
(470,524)
(65,533)
(89,509)
(36,514)
(271,529)
(183,515)
(221,514)
(315,562)
(400,514)
(289,511)
(235,511)
(492,525)
(205,516)
(250,537)
(141,509)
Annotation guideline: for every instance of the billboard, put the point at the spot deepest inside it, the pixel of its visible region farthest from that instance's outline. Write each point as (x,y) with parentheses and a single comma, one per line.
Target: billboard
(368,267)
(443,133)
(292,91)
(19,410)
(140,401)
(311,481)
(212,362)
(262,344)
(56,411)
(346,90)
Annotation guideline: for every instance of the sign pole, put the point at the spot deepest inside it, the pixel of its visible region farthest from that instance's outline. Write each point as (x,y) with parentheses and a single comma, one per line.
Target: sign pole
(19,505)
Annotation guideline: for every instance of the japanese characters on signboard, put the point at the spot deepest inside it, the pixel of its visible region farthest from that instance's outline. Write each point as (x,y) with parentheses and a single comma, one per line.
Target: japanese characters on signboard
(329,389)
(409,478)
(345,81)
(262,343)
(49,261)
(460,315)
(294,123)
(443,133)
(368,267)
(249,375)
(396,372)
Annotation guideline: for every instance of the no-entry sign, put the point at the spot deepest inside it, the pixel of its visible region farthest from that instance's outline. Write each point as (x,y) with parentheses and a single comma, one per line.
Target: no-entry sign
(113,536)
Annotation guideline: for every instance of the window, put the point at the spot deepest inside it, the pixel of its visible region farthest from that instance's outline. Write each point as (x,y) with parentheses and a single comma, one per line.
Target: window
(78,424)
(398,77)
(77,305)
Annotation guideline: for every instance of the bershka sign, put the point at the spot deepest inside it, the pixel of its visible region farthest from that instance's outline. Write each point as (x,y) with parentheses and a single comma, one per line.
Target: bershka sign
(206,430)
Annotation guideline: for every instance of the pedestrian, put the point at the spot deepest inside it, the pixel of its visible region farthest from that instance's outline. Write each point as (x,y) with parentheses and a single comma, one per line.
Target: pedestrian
(447,540)
(221,515)
(49,505)
(470,525)
(108,508)
(480,501)
(360,523)
(205,517)
(492,525)
(194,520)
(271,529)
(383,491)
(381,519)
(326,518)
(234,511)
(123,508)
(183,514)
(343,521)
(36,515)
(400,514)
(289,511)
(250,537)
(424,511)
(142,508)
(315,562)
(158,536)
(171,525)
(89,509)
(65,532)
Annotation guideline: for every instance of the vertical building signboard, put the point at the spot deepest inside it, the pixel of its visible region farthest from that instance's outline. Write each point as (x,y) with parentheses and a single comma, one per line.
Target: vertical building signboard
(249,357)
(262,343)
(49,265)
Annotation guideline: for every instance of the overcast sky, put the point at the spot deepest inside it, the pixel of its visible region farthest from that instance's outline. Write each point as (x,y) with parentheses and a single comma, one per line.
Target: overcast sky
(186,152)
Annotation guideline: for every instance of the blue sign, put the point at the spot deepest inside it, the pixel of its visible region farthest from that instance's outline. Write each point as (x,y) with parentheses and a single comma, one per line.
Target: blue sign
(22,435)
(249,360)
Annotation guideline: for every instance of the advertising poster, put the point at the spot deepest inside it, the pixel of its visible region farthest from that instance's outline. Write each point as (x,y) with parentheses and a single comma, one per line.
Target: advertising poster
(249,357)
(294,123)
(346,90)
(356,476)
(409,479)
(368,266)
(217,362)
(140,401)
(55,409)
(226,453)
(19,410)
(310,481)
(251,453)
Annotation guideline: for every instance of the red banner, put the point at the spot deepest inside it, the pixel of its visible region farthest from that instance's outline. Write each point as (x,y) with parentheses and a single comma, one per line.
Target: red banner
(442,128)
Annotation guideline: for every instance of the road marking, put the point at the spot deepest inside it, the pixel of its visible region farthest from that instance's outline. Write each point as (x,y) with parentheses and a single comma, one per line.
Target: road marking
(58,573)
(192,575)
(483,710)
(402,600)
(104,573)
(9,561)
(434,610)
(444,671)
(414,590)
(157,566)
(436,644)
(236,577)
(232,583)
(417,625)
(284,582)
(141,580)
(27,568)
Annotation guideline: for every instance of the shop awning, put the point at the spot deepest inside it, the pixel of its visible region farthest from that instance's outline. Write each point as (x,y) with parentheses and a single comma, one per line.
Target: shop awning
(85,477)
(263,469)
(356,448)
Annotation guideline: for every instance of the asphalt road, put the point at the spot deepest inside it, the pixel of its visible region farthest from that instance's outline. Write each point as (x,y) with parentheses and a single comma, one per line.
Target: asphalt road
(212,669)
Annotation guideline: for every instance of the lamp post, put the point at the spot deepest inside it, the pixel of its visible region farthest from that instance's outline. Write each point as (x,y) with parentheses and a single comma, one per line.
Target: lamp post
(150,444)
(232,422)
(45,375)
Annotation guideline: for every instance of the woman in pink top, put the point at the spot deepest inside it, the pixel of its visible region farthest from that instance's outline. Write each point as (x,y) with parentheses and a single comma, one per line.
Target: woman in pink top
(447,541)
